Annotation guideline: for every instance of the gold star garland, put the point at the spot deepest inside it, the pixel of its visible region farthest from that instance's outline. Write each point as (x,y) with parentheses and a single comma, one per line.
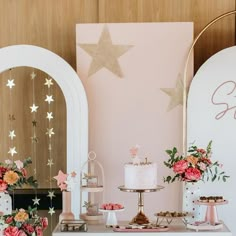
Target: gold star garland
(49,116)
(34,138)
(11,118)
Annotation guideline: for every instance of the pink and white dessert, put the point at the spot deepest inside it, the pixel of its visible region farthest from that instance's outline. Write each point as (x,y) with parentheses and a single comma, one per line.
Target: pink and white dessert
(111,206)
(140,174)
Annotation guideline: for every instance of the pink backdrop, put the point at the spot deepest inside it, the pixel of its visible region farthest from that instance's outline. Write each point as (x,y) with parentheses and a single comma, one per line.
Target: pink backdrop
(134,109)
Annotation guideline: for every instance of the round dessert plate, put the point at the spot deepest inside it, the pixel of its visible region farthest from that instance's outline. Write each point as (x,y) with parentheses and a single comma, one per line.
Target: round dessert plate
(117,210)
(211,203)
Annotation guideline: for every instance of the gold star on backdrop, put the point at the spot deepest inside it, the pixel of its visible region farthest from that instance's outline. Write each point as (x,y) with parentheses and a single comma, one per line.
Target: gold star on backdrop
(105,54)
(176,94)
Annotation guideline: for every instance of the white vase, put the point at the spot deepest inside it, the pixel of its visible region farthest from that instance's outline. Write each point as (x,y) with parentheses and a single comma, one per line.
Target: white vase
(5,203)
(191,194)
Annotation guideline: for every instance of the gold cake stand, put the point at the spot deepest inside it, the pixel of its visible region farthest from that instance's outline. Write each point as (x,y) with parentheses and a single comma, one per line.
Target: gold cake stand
(140,218)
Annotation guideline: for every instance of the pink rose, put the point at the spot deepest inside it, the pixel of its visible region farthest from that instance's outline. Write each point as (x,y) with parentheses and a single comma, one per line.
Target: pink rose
(11,231)
(44,222)
(180,166)
(21,233)
(28,228)
(3,185)
(192,174)
(202,166)
(39,231)
(134,151)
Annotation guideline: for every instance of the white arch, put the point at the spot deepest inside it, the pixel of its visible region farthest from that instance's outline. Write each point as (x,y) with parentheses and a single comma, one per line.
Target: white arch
(75,97)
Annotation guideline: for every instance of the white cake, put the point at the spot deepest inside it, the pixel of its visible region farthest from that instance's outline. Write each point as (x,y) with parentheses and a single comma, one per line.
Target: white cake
(140,176)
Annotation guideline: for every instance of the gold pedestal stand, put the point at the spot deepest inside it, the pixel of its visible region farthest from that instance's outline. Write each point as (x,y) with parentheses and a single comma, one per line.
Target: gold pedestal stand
(140,218)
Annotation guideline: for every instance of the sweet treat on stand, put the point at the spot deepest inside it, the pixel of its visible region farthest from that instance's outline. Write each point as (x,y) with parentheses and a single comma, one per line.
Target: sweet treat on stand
(211,199)
(172,214)
(140,174)
(111,206)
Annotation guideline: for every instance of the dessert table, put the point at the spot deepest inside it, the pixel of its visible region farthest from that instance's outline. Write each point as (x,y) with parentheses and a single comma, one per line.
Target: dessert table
(174,230)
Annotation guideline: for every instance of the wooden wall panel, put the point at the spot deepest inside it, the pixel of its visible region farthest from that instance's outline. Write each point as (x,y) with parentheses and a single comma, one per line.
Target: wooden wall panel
(199,11)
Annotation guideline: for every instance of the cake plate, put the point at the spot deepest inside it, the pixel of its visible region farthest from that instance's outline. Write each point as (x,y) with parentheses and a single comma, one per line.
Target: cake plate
(111,217)
(140,218)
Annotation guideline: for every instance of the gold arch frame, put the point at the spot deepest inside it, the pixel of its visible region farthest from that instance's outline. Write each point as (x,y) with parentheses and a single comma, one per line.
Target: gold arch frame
(186,71)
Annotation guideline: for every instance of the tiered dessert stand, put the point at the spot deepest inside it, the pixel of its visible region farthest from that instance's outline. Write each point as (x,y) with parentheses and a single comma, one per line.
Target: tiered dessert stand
(92,184)
(211,218)
(140,218)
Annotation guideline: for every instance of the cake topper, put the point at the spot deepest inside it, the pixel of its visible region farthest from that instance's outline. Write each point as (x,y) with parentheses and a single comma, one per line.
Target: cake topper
(133,152)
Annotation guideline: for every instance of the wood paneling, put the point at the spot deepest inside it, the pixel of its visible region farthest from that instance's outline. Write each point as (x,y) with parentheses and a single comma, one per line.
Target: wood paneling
(201,12)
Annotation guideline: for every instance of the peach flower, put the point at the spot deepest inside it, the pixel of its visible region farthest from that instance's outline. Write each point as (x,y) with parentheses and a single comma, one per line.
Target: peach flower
(11,177)
(21,216)
(180,166)
(193,160)
(192,174)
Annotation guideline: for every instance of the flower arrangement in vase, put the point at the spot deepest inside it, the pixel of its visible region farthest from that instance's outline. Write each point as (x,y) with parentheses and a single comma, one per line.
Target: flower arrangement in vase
(196,166)
(23,223)
(13,175)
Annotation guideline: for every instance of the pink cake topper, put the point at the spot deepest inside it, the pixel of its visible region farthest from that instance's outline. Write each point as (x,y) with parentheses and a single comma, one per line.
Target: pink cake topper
(133,152)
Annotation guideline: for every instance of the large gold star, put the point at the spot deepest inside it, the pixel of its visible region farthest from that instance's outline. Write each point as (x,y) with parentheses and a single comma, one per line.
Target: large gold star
(176,94)
(105,54)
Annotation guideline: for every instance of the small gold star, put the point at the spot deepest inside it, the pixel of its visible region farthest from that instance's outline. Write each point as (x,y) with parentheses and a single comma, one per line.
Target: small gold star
(36,201)
(48,82)
(12,134)
(51,210)
(50,162)
(10,83)
(49,116)
(12,151)
(33,75)
(34,108)
(50,132)
(49,99)
(34,122)
(51,194)
(34,139)
(11,117)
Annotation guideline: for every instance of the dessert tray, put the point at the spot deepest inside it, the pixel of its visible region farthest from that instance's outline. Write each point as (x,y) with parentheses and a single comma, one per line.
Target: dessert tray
(169,216)
(141,228)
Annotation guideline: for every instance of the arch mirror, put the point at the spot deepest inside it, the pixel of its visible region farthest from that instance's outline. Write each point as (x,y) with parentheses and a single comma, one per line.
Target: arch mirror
(71,108)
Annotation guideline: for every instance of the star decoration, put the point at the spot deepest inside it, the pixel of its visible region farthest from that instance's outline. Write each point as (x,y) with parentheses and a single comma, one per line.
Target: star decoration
(51,194)
(176,94)
(12,151)
(49,99)
(50,162)
(11,117)
(49,147)
(36,201)
(48,82)
(50,132)
(34,123)
(33,75)
(105,54)
(12,134)
(34,108)
(61,177)
(10,83)
(49,116)
(34,139)
(51,211)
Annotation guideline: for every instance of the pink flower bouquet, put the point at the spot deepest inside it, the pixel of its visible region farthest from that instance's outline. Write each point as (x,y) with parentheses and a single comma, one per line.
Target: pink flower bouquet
(197,165)
(111,206)
(24,223)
